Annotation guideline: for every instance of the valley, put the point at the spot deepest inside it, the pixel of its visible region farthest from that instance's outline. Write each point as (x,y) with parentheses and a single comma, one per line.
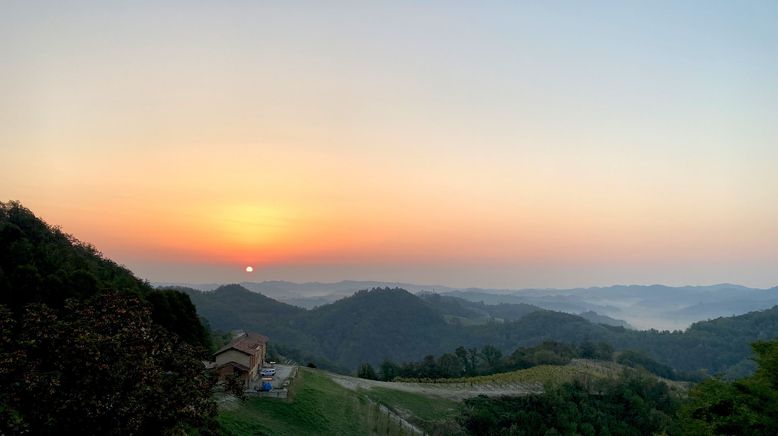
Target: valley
(371,326)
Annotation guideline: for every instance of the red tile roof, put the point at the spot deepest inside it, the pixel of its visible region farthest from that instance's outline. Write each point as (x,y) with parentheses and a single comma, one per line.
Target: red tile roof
(246,343)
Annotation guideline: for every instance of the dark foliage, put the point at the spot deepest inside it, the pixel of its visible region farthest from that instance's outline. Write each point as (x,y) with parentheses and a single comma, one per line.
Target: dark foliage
(88,348)
(459,307)
(99,366)
(490,360)
(233,384)
(175,311)
(636,404)
(747,407)
(41,264)
(366,371)
(636,359)
(714,345)
(630,405)
(233,307)
(373,323)
(362,328)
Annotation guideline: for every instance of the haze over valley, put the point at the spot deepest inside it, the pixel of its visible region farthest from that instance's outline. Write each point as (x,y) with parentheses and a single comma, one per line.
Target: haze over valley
(642,307)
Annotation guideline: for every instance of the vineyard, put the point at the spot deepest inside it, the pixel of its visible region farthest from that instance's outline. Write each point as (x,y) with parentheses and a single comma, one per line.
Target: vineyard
(533,380)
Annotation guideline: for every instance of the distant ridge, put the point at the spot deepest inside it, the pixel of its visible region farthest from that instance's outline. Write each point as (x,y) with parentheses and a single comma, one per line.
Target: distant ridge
(642,306)
(369,326)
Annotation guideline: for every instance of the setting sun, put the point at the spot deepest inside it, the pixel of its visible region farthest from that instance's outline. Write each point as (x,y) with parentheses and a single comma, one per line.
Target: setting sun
(516,217)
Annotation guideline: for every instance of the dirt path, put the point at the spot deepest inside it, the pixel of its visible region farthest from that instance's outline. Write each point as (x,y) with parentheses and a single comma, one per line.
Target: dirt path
(451,391)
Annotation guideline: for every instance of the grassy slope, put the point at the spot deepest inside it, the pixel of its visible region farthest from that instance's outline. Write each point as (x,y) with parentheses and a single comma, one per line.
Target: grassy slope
(434,415)
(320,407)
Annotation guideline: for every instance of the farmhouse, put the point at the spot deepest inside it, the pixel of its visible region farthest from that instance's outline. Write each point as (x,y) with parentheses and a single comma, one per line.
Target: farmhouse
(244,356)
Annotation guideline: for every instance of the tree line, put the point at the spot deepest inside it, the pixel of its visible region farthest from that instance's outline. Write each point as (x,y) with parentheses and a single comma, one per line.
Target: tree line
(472,361)
(635,404)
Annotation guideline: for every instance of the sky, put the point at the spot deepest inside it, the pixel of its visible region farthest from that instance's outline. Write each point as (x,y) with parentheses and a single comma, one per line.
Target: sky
(492,144)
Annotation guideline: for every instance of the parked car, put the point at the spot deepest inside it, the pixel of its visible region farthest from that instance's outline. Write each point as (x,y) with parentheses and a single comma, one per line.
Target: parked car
(268,372)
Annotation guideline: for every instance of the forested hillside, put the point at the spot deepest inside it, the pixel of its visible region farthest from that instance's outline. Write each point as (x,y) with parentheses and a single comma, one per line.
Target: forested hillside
(374,325)
(87,347)
(458,310)
(654,306)
(233,307)
(339,335)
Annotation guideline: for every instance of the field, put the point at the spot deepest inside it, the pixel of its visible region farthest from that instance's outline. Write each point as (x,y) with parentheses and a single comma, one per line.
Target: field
(317,406)
(521,382)
(542,375)
(434,415)
(332,404)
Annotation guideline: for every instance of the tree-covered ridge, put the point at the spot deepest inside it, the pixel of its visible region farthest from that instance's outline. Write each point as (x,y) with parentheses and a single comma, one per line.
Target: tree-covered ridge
(87,347)
(461,311)
(380,322)
(641,305)
(233,307)
(394,324)
(717,345)
(39,263)
(338,335)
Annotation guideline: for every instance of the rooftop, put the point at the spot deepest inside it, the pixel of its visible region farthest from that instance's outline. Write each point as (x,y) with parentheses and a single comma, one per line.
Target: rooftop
(245,343)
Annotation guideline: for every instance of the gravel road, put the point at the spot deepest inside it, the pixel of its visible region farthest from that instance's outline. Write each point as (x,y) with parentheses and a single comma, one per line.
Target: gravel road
(452,391)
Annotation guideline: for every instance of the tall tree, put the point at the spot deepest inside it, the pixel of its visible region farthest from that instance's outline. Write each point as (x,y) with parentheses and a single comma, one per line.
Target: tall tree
(461,354)
(389,370)
(472,355)
(366,371)
(449,366)
(492,356)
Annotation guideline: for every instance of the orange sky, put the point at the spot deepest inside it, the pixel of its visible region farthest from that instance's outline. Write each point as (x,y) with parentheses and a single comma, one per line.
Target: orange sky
(509,146)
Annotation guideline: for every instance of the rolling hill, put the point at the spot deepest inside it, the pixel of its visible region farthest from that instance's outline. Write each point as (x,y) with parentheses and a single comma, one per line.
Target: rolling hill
(393,323)
(645,307)
(654,306)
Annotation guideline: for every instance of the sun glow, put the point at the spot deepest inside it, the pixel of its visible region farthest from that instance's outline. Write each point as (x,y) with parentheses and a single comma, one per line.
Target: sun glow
(249,269)
(250,225)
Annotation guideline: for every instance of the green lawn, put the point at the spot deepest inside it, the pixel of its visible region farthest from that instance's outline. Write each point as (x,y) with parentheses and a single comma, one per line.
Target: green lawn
(319,407)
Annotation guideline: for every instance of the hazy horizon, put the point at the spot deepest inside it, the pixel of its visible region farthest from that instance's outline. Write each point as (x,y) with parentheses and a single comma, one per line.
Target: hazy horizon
(431,286)
(577,200)
(493,145)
